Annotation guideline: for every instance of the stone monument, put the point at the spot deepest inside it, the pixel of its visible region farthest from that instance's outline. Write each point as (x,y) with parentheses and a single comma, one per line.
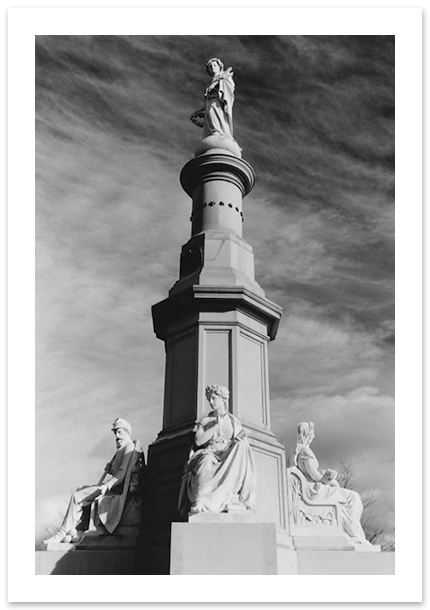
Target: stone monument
(216,325)
(217,497)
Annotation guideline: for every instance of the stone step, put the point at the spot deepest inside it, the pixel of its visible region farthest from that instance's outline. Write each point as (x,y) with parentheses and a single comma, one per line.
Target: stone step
(73,562)
(341,563)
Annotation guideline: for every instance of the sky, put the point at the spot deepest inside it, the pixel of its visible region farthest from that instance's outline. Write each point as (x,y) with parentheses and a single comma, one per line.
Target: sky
(314,116)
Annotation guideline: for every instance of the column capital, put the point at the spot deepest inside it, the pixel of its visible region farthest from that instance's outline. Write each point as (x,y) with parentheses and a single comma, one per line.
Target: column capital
(217,166)
(189,303)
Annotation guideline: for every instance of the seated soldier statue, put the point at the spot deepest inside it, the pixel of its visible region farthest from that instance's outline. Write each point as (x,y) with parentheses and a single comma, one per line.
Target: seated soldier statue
(109,495)
(220,473)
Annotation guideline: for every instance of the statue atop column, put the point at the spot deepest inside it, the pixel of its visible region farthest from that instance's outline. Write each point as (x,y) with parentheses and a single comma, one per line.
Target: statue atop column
(216,116)
(220,473)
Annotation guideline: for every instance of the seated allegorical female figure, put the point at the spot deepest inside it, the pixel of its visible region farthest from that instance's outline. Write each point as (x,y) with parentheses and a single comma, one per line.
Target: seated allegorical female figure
(220,473)
(323,486)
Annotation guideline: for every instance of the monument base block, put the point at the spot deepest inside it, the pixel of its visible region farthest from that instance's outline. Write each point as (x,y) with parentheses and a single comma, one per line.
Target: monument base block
(209,547)
(327,563)
(223,548)
(94,554)
(232,516)
(213,546)
(94,542)
(95,562)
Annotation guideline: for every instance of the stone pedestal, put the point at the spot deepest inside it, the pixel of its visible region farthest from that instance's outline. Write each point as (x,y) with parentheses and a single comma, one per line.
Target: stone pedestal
(216,325)
(223,548)
(90,562)
(234,545)
(325,563)
(95,554)
(210,544)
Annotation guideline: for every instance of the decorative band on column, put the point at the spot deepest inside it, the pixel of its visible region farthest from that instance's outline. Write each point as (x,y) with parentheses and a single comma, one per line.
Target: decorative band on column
(201,206)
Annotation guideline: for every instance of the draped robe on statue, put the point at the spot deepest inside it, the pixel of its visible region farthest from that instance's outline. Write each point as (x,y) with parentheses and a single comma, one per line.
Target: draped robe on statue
(109,508)
(350,503)
(219,96)
(220,473)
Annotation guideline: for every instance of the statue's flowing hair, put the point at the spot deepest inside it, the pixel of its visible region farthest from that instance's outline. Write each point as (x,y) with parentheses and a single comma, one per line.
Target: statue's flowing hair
(219,390)
(305,431)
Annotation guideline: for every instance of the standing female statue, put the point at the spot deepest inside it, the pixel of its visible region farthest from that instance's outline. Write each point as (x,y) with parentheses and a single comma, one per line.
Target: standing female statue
(216,116)
(323,486)
(220,473)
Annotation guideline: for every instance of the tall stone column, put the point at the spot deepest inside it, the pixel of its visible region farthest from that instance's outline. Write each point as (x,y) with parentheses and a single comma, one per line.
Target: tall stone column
(216,325)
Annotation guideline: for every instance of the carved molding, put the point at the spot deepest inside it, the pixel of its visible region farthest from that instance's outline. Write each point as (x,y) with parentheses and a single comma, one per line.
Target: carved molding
(217,167)
(304,513)
(201,206)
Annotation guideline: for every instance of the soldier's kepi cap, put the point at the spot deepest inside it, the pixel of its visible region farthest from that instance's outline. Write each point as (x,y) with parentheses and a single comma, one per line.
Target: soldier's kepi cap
(121,423)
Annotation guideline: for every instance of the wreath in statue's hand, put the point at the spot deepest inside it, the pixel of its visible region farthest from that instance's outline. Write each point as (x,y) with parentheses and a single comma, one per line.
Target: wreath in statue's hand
(198,118)
(330,474)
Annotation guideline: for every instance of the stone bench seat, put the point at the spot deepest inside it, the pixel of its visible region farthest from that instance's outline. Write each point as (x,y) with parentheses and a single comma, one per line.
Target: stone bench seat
(306,512)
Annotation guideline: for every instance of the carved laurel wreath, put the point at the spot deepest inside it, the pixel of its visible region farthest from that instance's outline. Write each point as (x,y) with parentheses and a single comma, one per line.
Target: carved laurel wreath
(198,118)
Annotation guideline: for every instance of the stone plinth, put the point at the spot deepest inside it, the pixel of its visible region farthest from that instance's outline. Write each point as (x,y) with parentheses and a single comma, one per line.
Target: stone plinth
(268,552)
(73,562)
(315,542)
(223,548)
(233,516)
(222,544)
(217,544)
(217,143)
(95,541)
(342,564)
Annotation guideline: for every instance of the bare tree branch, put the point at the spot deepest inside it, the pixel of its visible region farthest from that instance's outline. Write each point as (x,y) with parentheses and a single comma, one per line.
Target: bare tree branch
(374,530)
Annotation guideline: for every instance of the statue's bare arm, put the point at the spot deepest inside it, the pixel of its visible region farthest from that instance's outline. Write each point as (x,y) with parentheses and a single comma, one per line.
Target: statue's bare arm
(328,476)
(205,430)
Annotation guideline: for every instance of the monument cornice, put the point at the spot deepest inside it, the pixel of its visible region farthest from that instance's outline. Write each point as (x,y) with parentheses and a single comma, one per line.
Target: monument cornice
(197,299)
(217,166)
